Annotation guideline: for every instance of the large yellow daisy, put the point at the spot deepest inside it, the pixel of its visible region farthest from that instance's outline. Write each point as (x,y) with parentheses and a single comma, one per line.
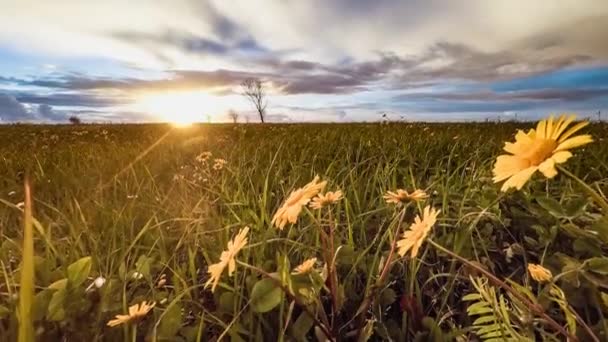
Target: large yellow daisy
(538,150)
(415,236)
(227,259)
(291,209)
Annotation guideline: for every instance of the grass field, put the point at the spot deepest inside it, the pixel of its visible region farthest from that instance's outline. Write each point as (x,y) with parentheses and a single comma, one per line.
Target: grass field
(152,211)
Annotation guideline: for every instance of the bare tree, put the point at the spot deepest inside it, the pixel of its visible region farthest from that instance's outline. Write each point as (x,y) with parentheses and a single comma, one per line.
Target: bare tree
(75,120)
(233,115)
(253,90)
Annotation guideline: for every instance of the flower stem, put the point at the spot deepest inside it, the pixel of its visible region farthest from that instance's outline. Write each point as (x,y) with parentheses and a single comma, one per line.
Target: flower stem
(535,308)
(598,199)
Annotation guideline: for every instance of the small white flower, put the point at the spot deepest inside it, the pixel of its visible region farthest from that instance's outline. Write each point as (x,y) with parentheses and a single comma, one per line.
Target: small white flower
(137,275)
(98,283)
(132,196)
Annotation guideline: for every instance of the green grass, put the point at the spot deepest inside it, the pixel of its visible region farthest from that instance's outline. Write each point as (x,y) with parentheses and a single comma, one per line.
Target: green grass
(102,191)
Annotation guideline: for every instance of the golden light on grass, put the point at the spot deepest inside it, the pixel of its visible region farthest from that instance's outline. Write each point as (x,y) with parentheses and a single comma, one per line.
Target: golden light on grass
(290,210)
(227,259)
(415,236)
(538,150)
(136,311)
(539,273)
(184,108)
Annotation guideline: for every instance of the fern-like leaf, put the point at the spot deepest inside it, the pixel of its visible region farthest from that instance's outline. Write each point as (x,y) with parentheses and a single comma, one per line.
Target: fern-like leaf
(492,314)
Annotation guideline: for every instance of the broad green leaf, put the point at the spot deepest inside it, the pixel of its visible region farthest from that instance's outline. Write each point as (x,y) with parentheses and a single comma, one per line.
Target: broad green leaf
(266,295)
(56,310)
(551,205)
(226,302)
(143,265)
(302,326)
(4,312)
(387,297)
(170,323)
(79,271)
(597,265)
(41,304)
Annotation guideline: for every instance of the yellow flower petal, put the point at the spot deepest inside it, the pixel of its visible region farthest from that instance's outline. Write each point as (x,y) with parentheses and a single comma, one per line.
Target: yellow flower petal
(572,130)
(548,168)
(519,179)
(577,141)
(561,157)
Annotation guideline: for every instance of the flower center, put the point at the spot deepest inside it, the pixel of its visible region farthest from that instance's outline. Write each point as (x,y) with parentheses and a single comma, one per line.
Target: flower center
(540,150)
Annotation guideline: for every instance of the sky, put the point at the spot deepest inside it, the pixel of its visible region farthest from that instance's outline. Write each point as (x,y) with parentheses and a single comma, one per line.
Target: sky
(330,61)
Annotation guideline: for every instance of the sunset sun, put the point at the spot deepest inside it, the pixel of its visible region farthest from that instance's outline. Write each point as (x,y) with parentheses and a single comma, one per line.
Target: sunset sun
(183,108)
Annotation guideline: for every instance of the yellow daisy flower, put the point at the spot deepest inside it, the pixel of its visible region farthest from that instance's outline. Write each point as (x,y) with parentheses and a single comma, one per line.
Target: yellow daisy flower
(227,258)
(326,199)
(292,207)
(402,196)
(538,150)
(135,312)
(305,267)
(414,237)
(539,273)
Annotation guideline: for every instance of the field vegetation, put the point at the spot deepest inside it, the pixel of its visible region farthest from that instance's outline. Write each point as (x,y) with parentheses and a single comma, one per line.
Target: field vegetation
(298,232)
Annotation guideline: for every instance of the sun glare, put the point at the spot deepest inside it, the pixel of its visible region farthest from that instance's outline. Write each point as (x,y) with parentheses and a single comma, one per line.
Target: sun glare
(183,108)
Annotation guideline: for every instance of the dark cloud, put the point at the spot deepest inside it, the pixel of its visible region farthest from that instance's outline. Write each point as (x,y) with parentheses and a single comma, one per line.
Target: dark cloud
(12,110)
(72,99)
(573,95)
(190,43)
(47,112)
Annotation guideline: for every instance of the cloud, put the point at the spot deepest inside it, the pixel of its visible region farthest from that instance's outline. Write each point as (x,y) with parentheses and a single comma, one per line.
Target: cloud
(12,110)
(71,99)
(47,112)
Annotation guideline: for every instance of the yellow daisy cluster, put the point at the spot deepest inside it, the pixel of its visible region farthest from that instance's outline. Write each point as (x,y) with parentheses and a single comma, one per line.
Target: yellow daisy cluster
(136,311)
(539,273)
(305,267)
(401,196)
(538,150)
(415,236)
(227,259)
(290,210)
(323,200)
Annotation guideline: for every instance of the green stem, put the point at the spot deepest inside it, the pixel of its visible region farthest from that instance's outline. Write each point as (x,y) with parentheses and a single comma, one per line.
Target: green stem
(535,308)
(598,199)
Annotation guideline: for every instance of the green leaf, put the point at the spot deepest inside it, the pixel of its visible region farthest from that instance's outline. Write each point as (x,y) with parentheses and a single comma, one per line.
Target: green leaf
(79,271)
(576,207)
(302,326)
(143,265)
(4,312)
(170,323)
(59,284)
(601,228)
(226,302)
(552,206)
(387,297)
(265,295)
(41,304)
(598,265)
(56,311)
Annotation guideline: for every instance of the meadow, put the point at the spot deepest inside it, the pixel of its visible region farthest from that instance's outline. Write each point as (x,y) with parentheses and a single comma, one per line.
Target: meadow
(123,214)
